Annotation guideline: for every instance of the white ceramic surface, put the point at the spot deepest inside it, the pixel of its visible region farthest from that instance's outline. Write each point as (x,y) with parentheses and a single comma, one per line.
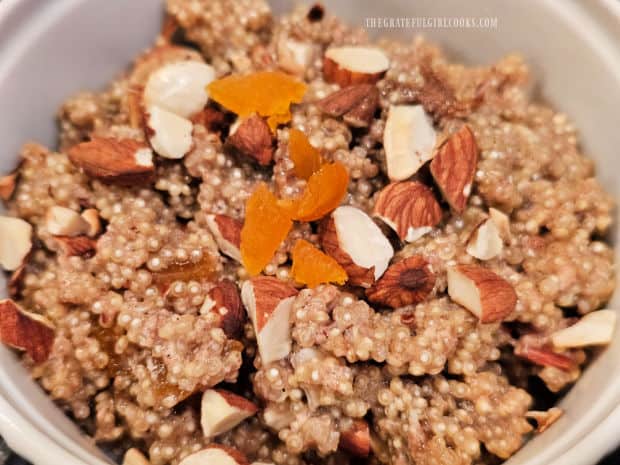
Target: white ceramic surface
(49,50)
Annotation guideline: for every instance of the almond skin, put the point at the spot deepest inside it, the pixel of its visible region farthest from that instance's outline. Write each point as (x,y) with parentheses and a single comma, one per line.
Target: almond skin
(227,233)
(544,356)
(407,282)
(253,139)
(77,245)
(7,186)
(227,303)
(406,207)
(454,167)
(356,440)
(25,331)
(268,293)
(370,65)
(356,104)
(238,401)
(114,161)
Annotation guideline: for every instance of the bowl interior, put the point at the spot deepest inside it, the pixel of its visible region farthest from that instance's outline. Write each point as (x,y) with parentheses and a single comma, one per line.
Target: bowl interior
(53,49)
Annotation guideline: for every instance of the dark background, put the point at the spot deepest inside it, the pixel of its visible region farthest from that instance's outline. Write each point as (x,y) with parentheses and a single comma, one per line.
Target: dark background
(8,458)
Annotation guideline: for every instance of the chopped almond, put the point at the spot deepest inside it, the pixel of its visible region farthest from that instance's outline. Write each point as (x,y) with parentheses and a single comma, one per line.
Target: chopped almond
(76,245)
(25,331)
(227,233)
(252,138)
(170,135)
(225,301)
(356,440)
(354,64)
(544,419)
(62,221)
(215,454)
(221,410)
(7,186)
(16,242)
(595,328)
(485,242)
(356,104)
(91,216)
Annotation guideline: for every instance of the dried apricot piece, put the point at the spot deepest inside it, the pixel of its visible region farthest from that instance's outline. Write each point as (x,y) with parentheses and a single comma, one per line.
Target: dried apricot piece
(324,192)
(265,226)
(268,93)
(306,157)
(312,267)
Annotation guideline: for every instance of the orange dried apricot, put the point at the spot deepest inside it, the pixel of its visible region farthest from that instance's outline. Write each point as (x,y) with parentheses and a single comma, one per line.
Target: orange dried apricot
(312,267)
(268,93)
(324,192)
(265,226)
(307,158)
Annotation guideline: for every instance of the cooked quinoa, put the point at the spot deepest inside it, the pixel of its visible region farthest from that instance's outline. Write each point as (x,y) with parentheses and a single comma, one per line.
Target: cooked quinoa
(137,307)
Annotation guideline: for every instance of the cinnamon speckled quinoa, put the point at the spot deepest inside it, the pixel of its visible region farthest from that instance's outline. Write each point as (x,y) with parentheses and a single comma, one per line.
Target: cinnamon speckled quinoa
(135,343)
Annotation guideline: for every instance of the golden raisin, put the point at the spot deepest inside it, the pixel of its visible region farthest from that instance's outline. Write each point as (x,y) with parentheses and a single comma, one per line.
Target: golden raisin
(266,225)
(268,93)
(324,192)
(198,271)
(307,158)
(312,267)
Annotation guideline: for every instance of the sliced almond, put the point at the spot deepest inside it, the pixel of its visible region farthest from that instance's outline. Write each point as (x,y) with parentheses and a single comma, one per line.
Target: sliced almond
(295,56)
(227,233)
(125,162)
(356,440)
(408,139)
(454,167)
(354,64)
(502,221)
(7,186)
(544,356)
(595,328)
(77,245)
(221,411)
(252,138)
(488,296)
(485,242)
(180,88)
(215,454)
(16,242)
(134,457)
(407,282)
(268,302)
(62,221)
(351,237)
(356,104)
(544,419)
(409,208)
(25,331)
(91,216)
(225,301)
(170,135)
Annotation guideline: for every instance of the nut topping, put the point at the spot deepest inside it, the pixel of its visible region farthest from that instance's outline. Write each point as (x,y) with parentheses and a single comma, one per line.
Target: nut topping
(595,328)
(356,439)
(485,242)
(215,454)
(454,167)
(7,186)
(77,245)
(354,64)
(356,104)
(408,140)
(227,233)
(126,162)
(224,300)
(16,242)
(25,331)
(544,419)
(406,282)
(253,138)
(488,296)
(62,221)
(409,208)
(170,135)
(221,410)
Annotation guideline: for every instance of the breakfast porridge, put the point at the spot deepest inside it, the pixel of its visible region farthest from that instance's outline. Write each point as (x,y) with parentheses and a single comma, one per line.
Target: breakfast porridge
(273,241)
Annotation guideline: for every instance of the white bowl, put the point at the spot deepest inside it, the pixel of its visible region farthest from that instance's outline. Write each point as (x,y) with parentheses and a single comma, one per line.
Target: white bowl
(52,49)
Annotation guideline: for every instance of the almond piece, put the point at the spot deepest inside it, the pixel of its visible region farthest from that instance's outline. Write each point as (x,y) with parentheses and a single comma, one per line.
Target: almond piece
(408,140)
(294,56)
(227,233)
(16,242)
(91,216)
(354,64)
(7,186)
(357,104)
(77,245)
(488,296)
(157,57)
(353,239)
(544,356)
(170,135)
(544,419)
(454,167)
(62,221)
(252,138)
(595,328)
(126,162)
(356,440)
(14,285)
(485,242)
(221,411)
(215,454)
(502,221)
(406,282)
(268,302)
(180,88)
(225,301)
(25,331)
(409,208)
(134,457)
